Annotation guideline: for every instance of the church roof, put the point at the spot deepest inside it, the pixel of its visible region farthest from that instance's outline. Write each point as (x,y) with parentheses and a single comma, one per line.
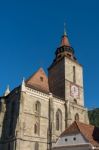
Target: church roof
(91,133)
(38,81)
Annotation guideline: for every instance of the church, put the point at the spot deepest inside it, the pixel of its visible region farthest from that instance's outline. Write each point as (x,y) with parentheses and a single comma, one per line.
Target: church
(34,114)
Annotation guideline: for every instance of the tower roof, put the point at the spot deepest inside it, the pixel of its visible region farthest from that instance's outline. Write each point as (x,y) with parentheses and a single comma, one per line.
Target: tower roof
(64,40)
(64,50)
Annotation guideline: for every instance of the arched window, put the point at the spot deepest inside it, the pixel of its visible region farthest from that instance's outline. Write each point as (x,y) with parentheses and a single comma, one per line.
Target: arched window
(77,117)
(36,128)
(58,120)
(75,101)
(37,107)
(74,74)
(36,146)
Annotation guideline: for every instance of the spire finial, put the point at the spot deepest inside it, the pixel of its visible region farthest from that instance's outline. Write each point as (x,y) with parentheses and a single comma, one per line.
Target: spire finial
(65,29)
(23,85)
(7,91)
(23,81)
(64,40)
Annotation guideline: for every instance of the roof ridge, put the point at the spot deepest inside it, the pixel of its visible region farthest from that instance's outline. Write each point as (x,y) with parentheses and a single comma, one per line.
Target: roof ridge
(81,123)
(68,128)
(76,122)
(78,125)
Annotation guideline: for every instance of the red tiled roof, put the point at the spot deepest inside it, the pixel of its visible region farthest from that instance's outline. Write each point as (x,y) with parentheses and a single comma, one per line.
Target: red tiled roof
(38,81)
(65,41)
(91,133)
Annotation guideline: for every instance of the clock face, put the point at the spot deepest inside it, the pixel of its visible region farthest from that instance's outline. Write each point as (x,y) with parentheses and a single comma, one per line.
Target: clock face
(74,91)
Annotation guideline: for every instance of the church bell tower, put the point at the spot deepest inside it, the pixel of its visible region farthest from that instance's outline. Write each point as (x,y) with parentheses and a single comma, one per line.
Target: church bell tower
(65,75)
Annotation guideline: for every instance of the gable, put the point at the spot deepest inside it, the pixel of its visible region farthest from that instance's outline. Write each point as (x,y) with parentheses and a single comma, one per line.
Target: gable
(38,81)
(71,139)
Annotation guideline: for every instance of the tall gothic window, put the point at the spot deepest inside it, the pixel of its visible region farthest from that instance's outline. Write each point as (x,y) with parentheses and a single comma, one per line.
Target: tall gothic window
(36,146)
(77,117)
(38,107)
(37,118)
(58,120)
(74,74)
(36,128)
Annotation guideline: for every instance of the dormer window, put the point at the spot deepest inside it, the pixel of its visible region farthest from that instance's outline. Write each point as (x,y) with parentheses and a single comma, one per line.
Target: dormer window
(74,138)
(66,140)
(41,78)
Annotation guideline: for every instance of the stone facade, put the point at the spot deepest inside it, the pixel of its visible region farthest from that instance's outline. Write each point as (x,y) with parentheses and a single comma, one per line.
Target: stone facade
(33,115)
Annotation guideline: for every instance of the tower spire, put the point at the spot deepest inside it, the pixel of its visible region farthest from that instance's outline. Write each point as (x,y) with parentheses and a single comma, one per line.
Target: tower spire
(65,29)
(64,40)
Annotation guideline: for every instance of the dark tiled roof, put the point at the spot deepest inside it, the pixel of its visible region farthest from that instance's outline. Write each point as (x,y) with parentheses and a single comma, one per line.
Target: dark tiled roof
(91,133)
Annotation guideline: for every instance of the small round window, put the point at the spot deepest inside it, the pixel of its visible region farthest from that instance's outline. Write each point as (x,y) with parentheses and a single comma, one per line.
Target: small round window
(66,140)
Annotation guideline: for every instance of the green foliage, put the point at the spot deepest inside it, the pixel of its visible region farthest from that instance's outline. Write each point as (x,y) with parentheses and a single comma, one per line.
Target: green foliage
(94,117)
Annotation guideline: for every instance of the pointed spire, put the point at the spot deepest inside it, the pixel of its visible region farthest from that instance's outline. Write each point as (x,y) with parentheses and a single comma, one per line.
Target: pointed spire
(23,85)
(65,41)
(7,91)
(23,81)
(65,34)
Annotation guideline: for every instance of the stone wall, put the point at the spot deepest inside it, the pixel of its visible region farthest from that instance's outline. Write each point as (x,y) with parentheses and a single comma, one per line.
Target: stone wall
(24,118)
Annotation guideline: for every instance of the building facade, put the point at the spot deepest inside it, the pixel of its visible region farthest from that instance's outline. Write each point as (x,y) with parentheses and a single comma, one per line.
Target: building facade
(78,136)
(34,114)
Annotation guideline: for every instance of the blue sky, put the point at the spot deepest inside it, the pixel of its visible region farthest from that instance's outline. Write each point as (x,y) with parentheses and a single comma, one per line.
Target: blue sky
(30,32)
